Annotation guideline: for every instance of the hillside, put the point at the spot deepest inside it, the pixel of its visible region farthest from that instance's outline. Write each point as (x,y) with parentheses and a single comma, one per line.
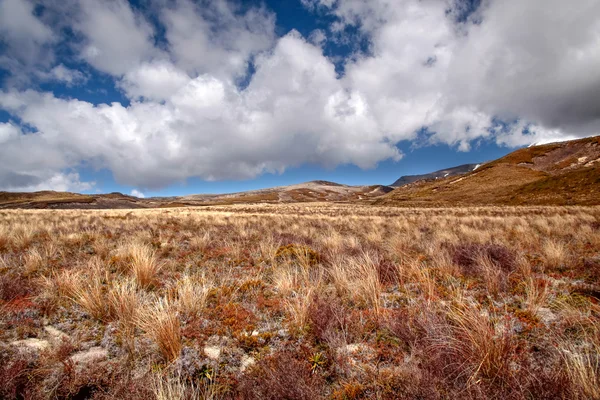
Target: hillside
(444,173)
(303,192)
(566,173)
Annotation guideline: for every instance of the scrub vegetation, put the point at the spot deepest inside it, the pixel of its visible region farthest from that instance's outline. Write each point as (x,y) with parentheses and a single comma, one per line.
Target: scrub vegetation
(300,301)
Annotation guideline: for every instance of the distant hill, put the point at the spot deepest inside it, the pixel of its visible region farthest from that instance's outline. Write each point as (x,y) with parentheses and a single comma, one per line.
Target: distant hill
(566,173)
(303,192)
(444,173)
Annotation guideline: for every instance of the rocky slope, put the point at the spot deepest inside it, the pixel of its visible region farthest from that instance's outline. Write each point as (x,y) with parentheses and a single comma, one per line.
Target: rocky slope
(304,192)
(565,173)
(444,173)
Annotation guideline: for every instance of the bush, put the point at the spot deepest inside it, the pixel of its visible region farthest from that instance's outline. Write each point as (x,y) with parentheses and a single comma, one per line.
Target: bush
(301,253)
(283,375)
(466,256)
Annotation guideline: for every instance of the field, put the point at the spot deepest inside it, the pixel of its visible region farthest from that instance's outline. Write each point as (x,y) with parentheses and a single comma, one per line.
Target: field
(303,301)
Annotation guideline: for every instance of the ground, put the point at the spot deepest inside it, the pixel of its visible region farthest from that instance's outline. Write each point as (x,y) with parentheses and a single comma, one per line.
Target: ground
(302,301)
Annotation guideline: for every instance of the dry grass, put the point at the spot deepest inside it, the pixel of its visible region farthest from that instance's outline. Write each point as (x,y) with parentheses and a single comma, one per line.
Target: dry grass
(358,277)
(190,294)
(89,294)
(302,301)
(144,265)
(480,349)
(161,323)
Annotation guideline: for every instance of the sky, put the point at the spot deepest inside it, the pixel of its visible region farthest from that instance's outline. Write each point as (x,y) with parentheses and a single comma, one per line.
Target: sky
(174,97)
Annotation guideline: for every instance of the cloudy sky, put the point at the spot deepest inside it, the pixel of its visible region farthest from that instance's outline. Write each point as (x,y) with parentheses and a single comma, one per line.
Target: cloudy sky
(163,97)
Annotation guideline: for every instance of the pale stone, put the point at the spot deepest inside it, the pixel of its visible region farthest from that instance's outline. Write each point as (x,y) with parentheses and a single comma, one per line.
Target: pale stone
(353,348)
(546,315)
(32,343)
(54,333)
(247,361)
(212,352)
(92,355)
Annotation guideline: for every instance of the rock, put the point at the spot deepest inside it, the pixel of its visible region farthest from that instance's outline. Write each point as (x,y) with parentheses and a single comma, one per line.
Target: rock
(92,355)
(546,315)
(353,348)
(212,352)
(55,334)
(247,361)
(32,344)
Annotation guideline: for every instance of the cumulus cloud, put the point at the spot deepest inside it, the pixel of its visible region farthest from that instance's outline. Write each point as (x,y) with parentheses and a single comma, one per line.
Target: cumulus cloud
(209,127)
(116,39)
(62,74)
(512,71)
(533,62)
(137,193)
(215,36)
(26,39)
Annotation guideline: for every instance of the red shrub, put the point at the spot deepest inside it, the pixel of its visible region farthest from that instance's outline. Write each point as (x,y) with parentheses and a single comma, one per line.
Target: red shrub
(283,375)
(466,257)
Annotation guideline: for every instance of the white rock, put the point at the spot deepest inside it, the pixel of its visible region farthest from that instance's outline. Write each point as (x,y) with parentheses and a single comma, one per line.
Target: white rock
(247,361)
(32,343)
(353,348)
(92,355)
(54,333)
(212,352)
(546,315)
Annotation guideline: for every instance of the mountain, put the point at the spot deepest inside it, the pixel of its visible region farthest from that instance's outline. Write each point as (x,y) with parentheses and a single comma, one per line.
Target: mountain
(565,173)
(304,192)
(444,173)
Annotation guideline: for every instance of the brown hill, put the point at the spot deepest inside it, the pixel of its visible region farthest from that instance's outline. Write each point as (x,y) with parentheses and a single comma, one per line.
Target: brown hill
(566,173)
(304,192)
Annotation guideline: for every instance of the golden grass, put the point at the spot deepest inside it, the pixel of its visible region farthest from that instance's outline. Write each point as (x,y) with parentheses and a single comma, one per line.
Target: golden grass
(160,322)
(190,294)
(144,265)
(452,300)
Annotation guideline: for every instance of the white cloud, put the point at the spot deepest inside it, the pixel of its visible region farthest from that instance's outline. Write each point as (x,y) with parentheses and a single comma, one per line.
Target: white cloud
(138,194)
(60,73)
(533,63)
(26,39)
(215,37)
(157,80)
(294,111)
(117,39)
(60,182)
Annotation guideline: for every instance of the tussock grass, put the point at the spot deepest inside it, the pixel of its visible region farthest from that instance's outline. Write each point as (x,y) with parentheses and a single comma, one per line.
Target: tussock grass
(358,278)
(582,362)
(144,265)
(190,294)
(89,294)
(160,322)
(479,349)
(303,301)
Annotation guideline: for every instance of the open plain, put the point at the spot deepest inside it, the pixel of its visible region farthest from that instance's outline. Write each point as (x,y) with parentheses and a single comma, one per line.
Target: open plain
(300,301)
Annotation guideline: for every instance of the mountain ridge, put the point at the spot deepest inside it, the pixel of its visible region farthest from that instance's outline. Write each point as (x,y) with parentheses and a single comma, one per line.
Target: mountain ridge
(443,173)
(562,173)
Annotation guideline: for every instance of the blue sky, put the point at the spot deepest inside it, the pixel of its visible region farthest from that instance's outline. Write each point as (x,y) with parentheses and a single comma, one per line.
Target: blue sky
(173,97)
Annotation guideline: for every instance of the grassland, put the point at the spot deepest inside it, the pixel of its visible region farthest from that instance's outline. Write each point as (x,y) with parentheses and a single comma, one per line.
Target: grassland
(304,301)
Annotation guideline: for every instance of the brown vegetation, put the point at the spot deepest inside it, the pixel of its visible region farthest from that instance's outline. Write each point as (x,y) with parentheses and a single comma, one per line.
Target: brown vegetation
(565,173)
(302,301)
